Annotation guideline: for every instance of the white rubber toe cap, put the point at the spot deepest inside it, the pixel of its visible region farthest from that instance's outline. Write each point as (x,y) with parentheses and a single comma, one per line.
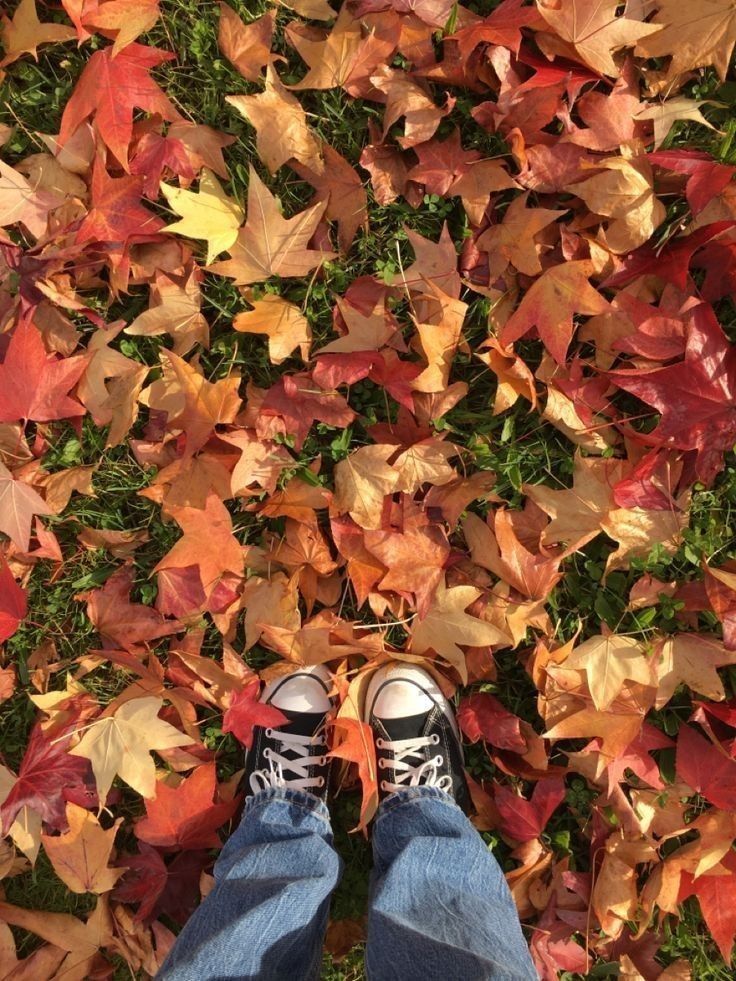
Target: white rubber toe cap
(400,691)
(306,689)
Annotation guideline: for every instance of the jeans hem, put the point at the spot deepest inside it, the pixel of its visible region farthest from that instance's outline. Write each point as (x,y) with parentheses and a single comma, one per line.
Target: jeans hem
(400,797)
(298,798)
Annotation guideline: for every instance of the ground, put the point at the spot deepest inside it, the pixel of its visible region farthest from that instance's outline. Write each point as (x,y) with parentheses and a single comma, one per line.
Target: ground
(518,445)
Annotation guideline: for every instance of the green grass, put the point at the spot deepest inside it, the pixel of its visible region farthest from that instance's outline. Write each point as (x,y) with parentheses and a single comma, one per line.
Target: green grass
(518,446)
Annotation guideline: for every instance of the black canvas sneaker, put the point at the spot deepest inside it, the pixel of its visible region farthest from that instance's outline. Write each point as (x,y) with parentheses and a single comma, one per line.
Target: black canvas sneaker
(294,755)
(417,739)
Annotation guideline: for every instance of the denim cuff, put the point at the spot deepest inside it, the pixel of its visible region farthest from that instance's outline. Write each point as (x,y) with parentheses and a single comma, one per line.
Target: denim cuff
(407,794)
(297,798)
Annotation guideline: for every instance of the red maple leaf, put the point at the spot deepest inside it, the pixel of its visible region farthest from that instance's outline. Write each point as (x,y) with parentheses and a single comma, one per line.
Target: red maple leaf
(13,604)
(707,770)
(717,897)
(385,368)
(156,153)
(119,622)
(161,889)
(33,384)
(481,716)
(293,404)
(705,177)
(723,602)
(185,817)
(45,773)
(524,820)
(719,261)
(246,712)
(110,88)
(117,213)
(696,398)
(502,27)
(671,263)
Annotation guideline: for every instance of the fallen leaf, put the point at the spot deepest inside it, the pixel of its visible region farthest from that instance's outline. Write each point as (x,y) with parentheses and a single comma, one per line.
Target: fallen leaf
(666,114)
(514,237)
(702,33)
(447,625)
(342,189)
(46,774)
(290,138)
(593,33)
(246,46)
(270,245)
(362,480)
(246,712)
(120,744)
(209,214)
(125,20)
(717,898)
(549,305)
(706,768)
(120,623)
(284,323)
(24,33)
(608,662)
(185,817)
(81,855)
(355,744)
(577,513)
(35,385)
(524,819)
(18,504)
(482,716)
(624,192)
(690,659)
(208,542)
(13,599)
(109,89)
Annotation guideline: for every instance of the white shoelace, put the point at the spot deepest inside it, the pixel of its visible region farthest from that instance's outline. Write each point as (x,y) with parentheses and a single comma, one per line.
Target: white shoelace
(412,774)
(281,768)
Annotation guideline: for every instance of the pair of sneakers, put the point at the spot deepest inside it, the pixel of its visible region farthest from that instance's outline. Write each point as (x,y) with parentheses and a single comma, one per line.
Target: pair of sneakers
(416,735)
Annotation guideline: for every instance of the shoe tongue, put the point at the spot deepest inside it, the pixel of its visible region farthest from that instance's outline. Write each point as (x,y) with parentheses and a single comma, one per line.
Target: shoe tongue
(301,723)
(407,727)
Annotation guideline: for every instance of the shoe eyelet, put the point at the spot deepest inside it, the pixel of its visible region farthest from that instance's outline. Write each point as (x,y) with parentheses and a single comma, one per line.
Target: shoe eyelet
(435,740)
(381,764)
(383,785)
(438,760)
(267,753)
(320,781)
(269,733)
(322,761)
(379,743)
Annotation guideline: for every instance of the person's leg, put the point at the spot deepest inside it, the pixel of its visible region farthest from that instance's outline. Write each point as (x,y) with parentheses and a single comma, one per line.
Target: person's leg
(266,917)
(440,906)
(267,914)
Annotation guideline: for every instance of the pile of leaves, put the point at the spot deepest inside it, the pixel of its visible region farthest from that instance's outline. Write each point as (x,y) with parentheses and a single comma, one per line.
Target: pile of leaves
(453,387)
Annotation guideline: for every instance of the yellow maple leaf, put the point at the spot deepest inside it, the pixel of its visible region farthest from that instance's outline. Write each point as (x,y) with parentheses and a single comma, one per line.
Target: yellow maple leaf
(121,744)
(608,662)
(664,115)
(207,213)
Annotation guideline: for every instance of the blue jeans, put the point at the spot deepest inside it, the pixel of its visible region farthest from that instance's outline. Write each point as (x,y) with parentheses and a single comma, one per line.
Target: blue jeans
(440,907)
